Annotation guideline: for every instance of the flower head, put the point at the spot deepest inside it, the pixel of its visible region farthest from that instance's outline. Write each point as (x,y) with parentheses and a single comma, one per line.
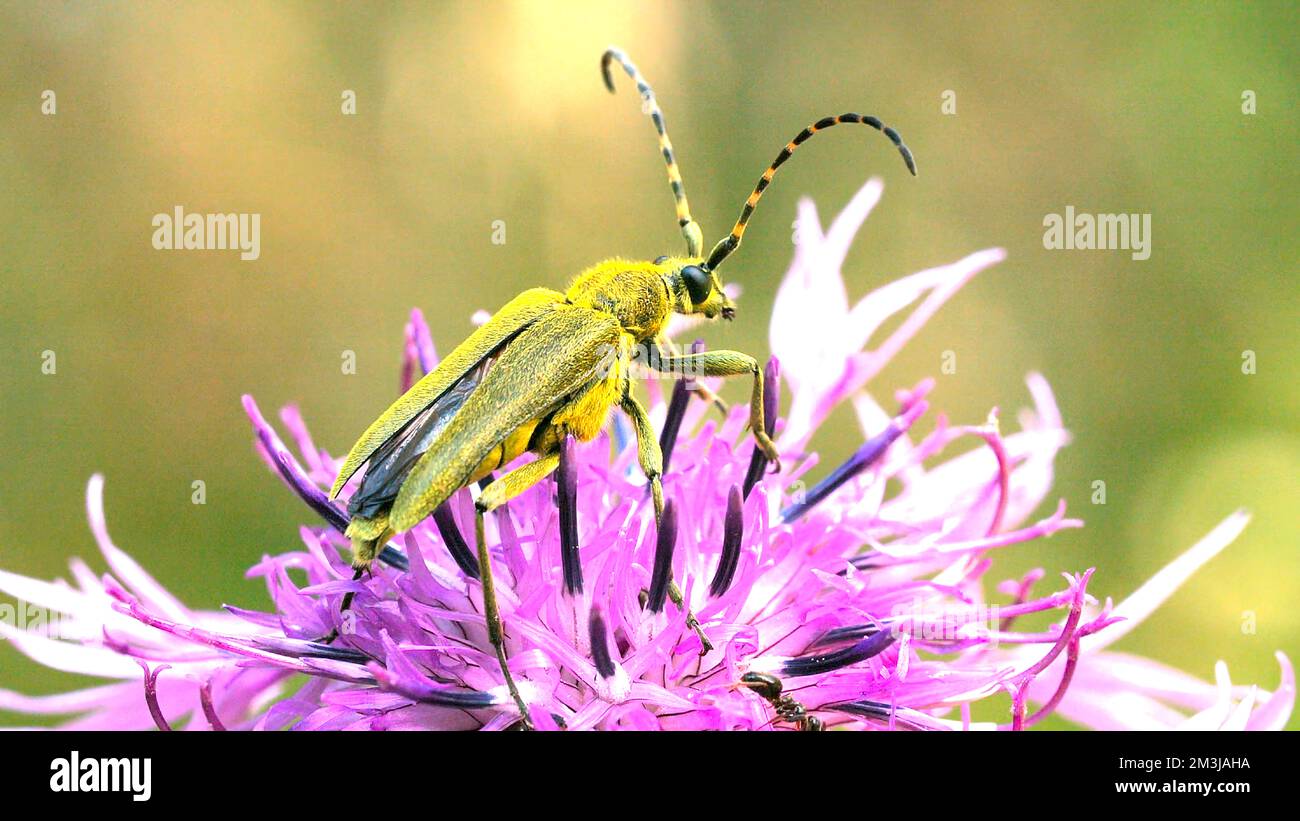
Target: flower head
(800,607)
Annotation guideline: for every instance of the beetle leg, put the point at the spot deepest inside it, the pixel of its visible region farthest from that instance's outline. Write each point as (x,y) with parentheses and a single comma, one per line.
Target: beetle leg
(647,448)
(346,605)
(713,399)
(493,496)
(666,348)
(652,460)
(728,363)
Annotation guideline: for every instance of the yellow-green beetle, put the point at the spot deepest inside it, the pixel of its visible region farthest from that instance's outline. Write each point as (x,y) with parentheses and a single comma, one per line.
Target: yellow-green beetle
(547,366)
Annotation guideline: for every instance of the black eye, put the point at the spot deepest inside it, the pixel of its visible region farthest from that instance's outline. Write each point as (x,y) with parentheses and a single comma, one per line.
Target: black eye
(698,284)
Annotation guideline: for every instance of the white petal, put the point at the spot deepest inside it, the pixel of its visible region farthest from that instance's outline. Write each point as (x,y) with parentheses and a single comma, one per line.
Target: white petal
(1144,601)
(1213,717)
(1276,709)
(939,283)
(71,658)
(839,238)
(127,569)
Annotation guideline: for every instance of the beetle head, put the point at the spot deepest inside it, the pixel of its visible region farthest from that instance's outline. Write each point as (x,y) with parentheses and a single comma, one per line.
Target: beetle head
(695,288)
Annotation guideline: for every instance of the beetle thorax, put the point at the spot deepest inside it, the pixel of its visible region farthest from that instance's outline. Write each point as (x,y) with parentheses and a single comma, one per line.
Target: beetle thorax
(633,292)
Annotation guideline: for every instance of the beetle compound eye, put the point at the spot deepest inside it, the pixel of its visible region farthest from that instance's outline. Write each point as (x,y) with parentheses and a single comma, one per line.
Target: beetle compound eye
(698,283)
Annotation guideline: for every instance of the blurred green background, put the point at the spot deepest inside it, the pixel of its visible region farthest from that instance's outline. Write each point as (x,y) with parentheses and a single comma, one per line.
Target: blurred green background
(470,113)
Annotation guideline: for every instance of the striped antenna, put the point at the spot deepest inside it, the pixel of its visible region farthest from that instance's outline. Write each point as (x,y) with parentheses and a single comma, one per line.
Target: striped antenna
(690,228)
(724,248)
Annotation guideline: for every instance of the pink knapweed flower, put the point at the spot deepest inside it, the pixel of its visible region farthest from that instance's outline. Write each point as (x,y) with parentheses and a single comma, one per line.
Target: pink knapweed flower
(867,610)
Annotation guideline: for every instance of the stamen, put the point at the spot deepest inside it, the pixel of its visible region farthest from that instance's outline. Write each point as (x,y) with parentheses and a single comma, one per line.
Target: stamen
(1071,662)
(151,695)
(315,649)
(394,558)
(1021,682)
(864,708)
(205,699)
(676,411)
(440,696)
(865,457)
(868,560)
(1018,706)
(852,632)
(879,711)
(826,662)
(451,536)
(427,355)
(733,529)
(993,436)
(673,421)
(410,357)
(599,645)
(567,479)
(304,487)
(663,567)
(1021,596)
(771,406)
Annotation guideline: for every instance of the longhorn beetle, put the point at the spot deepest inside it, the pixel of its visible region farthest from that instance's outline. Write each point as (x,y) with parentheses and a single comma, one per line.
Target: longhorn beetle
(539,371)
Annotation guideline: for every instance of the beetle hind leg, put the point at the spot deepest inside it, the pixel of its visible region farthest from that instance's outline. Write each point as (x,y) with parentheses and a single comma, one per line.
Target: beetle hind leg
(344,607)
(493,496)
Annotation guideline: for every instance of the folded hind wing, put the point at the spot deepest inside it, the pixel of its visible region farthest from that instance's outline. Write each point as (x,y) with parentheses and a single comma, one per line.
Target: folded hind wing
(393,460)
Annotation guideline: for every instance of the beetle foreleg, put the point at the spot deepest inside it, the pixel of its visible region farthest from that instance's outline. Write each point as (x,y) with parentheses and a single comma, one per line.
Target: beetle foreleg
(728,363)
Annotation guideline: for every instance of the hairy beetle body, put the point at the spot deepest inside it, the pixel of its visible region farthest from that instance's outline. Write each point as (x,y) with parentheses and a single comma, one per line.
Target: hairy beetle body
(549,366)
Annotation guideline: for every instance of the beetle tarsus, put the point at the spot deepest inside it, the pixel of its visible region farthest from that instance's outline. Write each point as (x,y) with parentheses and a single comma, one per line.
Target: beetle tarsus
(344,607)
(675,595)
